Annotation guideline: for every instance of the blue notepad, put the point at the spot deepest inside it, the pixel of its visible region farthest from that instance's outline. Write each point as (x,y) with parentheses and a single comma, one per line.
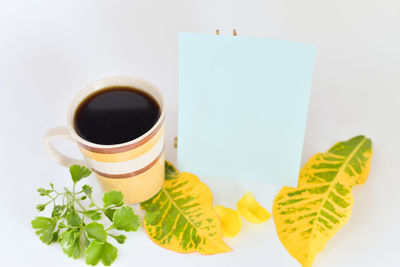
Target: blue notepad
(243,106)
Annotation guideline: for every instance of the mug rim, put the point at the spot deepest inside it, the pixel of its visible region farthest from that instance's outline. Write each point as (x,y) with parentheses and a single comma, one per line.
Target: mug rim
(122,80)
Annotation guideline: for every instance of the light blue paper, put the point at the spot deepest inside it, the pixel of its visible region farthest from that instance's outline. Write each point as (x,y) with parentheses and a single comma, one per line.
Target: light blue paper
(243,106)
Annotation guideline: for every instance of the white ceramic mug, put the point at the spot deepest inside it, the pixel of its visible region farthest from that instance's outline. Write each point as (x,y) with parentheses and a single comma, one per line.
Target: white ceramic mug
(136,167)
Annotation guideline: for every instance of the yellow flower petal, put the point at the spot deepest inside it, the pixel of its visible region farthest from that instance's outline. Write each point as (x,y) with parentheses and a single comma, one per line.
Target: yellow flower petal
(230,221)
(251,210)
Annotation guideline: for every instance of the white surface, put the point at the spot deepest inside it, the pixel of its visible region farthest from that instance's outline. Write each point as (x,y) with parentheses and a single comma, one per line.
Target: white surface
(51,49)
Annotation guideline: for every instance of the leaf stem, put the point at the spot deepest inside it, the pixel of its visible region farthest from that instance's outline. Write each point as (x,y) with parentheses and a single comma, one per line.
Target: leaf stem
(80,205)
(45,204)
(110,228)
(98,208)
(73,197)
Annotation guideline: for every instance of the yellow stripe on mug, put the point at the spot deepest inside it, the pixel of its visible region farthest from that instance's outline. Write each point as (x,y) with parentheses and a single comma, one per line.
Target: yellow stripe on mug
(127,155)
(155,174)
(127,166)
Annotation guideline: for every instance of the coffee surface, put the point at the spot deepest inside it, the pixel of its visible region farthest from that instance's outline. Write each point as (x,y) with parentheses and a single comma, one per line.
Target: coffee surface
(116,115)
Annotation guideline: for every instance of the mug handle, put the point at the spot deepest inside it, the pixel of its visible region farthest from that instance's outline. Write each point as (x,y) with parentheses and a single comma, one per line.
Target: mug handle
(53,153)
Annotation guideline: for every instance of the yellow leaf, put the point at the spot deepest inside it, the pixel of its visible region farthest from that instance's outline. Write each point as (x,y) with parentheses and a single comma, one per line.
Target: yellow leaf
(251,210)
(230,221)
(181,218)
(306,217)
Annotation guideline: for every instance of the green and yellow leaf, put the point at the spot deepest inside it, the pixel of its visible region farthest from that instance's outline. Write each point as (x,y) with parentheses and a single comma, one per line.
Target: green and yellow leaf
(170,171)
(306,217)
(181,218)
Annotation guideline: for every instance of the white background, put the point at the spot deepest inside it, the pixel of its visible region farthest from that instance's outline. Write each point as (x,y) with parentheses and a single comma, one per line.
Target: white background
(51,49)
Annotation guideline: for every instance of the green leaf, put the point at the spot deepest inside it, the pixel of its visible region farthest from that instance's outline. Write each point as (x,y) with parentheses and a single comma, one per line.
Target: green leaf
(119,238)
(57,210)
(55,237)
(78,172)
(62,225)
(109,213)
(96,251)
(70,243)
(73,219)
(109,254)
(87,242)
(40,207)
(45,227)
(96,231)
(113,198)
(125,219)
(44,192)
(96,216)
(87,189)
(93,253)
(93,214)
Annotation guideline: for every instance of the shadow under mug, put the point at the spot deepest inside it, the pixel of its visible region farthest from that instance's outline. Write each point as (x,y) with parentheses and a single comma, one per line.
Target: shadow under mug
(136,167)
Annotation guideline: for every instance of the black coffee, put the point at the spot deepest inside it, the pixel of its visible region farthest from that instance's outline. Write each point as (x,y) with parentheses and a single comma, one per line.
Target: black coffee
(116,115)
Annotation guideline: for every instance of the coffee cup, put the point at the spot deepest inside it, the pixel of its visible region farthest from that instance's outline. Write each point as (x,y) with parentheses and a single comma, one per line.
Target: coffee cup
(134,167)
